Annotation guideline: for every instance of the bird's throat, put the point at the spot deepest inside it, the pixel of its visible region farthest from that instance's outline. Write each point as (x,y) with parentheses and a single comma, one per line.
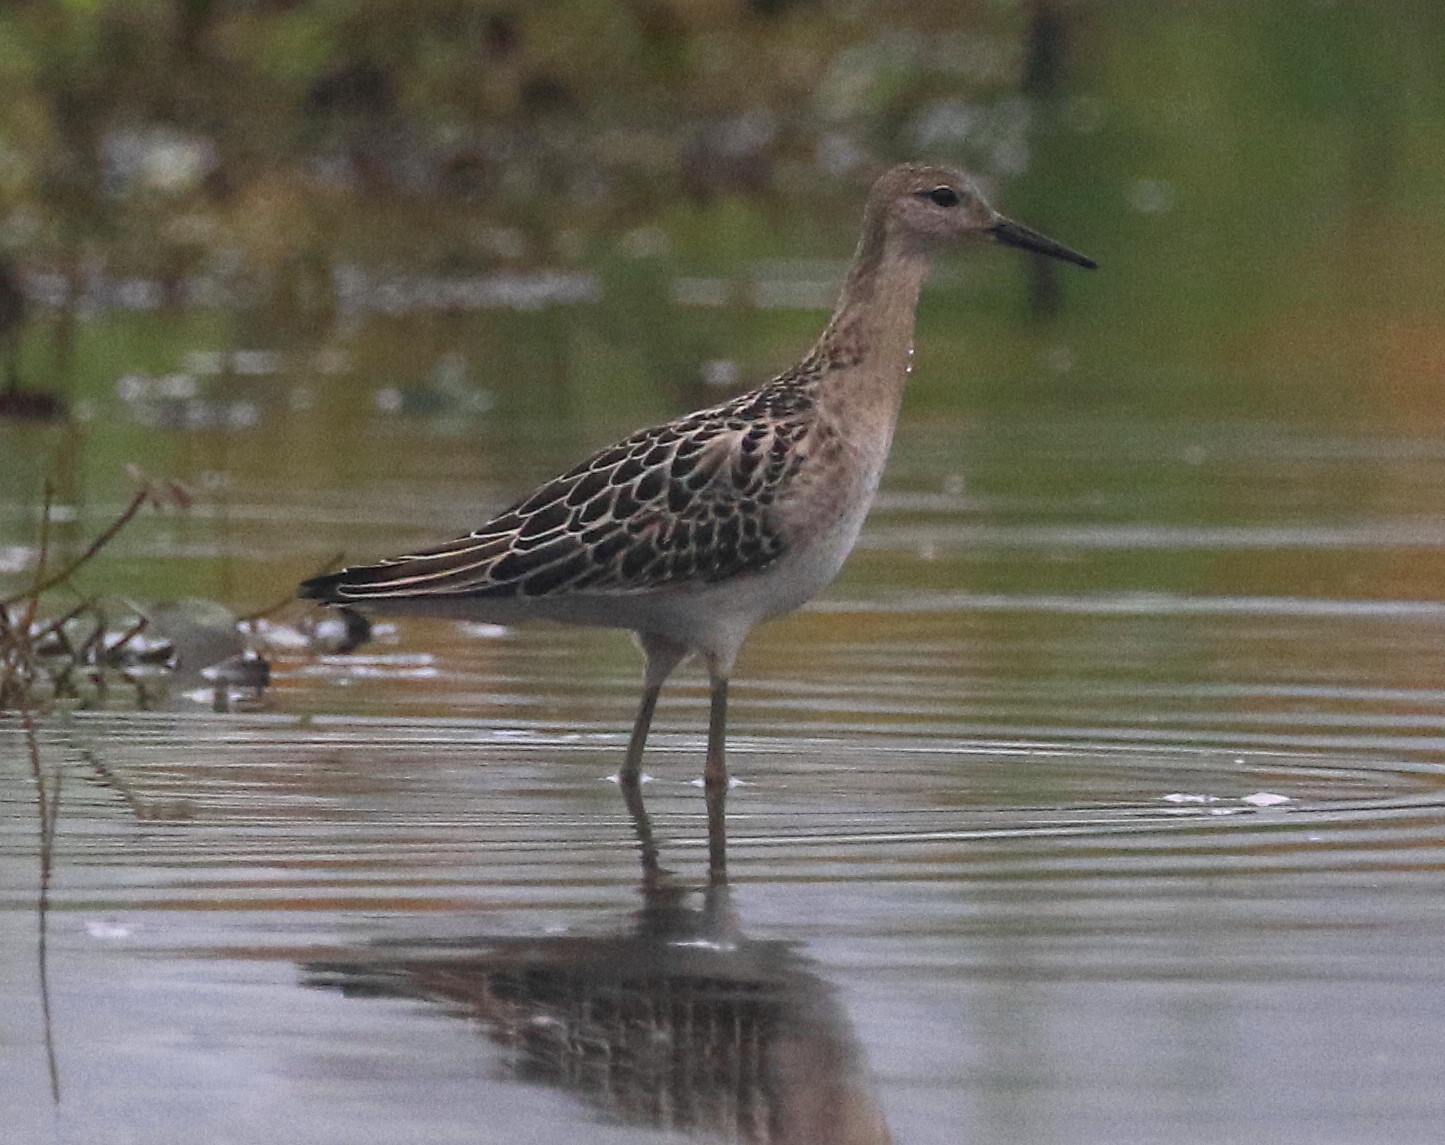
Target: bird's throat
(868,343)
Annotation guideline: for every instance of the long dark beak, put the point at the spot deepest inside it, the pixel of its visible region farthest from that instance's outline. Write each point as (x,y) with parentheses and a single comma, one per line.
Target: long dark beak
(1010,233)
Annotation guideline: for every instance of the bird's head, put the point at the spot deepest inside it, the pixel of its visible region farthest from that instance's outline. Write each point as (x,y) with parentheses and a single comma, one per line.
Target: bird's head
(924,207)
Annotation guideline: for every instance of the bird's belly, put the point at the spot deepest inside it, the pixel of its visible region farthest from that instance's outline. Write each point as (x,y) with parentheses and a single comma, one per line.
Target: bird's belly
(821,523)
(814,560)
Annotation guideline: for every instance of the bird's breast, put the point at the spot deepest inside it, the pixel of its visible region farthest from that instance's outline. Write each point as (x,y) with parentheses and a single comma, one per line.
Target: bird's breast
(822,513)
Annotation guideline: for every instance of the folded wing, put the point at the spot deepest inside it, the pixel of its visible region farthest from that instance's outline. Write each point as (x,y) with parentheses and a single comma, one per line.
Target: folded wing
(687,502)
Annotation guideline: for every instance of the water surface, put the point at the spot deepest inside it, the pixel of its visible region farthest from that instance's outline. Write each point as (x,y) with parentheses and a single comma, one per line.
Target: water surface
(1100,800)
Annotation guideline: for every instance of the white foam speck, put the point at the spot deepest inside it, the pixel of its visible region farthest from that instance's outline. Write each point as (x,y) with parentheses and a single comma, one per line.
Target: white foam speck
(1265,799)
(106,930)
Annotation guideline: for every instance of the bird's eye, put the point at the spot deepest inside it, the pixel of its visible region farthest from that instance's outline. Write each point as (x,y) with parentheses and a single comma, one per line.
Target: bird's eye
(942,196)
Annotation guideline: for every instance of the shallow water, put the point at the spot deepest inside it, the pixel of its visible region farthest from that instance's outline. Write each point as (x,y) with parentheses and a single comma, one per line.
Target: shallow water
(1101,800)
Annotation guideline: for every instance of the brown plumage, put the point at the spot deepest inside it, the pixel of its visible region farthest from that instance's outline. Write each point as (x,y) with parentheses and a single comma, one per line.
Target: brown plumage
(692,532)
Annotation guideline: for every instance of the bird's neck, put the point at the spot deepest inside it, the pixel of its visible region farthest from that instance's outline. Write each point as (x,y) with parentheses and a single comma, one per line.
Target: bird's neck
(867,347)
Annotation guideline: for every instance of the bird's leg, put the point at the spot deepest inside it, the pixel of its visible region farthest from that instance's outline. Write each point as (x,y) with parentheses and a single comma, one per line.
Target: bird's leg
(715,777)
(662,657)
(715,774)
(632,762)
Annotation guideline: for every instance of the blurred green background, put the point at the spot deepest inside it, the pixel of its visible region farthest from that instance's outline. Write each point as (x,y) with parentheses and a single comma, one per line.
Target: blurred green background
(289,251)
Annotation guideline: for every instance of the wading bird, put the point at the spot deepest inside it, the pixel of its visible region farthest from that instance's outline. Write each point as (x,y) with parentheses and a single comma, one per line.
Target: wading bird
(692,532)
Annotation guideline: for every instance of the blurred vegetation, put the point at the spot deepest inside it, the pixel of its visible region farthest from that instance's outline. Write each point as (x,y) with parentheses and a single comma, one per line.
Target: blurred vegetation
(1224,161)
(185,181)
(174,129)
(1214,156)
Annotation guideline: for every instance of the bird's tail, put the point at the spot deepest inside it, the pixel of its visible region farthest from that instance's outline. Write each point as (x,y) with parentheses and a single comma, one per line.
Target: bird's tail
(326,587)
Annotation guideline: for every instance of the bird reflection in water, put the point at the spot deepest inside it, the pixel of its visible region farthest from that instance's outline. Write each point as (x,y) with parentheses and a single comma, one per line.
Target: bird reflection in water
(673,1021)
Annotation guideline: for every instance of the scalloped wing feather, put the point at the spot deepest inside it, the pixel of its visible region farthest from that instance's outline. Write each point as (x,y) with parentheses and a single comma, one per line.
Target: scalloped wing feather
(683,503)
